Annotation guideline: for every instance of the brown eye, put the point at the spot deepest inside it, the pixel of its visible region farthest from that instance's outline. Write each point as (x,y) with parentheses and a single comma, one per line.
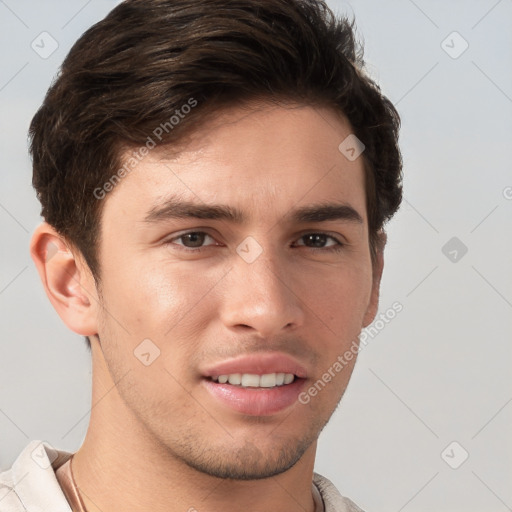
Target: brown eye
(192,241)
(195,239)
(317,241)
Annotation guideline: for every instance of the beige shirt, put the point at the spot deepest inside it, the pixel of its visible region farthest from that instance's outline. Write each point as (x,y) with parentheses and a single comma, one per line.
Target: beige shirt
(40,481)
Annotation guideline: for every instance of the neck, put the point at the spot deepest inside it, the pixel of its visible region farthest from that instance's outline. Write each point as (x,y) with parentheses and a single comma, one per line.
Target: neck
(121,466)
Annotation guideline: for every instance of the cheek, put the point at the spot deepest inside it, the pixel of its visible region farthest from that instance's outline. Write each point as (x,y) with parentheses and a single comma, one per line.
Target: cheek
(342,300)
(162,310)
(158,297)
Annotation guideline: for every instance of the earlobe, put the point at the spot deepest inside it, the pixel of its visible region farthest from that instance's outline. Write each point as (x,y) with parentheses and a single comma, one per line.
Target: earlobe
(66,279)
(378,267)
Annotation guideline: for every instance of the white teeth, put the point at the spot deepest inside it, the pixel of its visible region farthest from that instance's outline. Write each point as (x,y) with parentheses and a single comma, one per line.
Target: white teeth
(251,380)
(235,379)
(268,380)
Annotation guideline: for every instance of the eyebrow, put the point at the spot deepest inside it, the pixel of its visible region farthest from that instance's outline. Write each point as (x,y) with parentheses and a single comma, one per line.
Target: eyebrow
(174,208)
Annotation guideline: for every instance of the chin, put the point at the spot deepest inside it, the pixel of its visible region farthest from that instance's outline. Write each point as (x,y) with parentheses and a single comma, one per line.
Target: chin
(248,462)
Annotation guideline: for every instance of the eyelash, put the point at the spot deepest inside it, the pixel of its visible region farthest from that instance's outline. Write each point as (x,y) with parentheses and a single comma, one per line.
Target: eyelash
(334,248)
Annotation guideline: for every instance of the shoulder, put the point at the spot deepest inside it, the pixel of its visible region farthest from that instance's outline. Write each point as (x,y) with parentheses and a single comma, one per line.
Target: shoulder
(30,485)
(333,500)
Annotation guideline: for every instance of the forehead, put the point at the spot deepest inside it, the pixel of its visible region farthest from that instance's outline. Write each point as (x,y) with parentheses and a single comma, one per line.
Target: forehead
(262,161)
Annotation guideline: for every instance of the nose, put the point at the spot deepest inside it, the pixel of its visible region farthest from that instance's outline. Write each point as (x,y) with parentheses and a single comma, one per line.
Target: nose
(262,296)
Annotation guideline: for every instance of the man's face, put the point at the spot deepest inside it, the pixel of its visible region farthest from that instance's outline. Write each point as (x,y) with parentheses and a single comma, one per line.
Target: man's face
(271,294)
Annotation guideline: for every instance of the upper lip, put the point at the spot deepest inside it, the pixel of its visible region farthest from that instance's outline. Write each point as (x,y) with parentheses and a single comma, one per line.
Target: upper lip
(259,364)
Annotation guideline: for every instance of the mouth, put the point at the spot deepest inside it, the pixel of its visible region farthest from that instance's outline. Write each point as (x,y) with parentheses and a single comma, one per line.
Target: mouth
(263,384)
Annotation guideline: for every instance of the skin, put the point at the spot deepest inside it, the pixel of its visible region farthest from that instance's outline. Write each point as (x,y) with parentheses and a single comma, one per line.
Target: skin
(157,440)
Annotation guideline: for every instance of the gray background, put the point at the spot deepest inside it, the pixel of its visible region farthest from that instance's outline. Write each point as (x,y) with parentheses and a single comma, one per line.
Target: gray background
(439,371)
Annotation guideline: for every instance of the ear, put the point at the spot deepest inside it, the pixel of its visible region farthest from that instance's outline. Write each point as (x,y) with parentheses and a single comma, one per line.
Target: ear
(67,280)
(377,267)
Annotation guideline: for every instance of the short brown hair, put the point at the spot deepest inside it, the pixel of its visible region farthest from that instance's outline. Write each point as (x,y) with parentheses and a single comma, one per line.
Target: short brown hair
(138,67)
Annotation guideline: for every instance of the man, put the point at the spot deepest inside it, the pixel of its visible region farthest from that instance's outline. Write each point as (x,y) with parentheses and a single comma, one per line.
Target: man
(214,179)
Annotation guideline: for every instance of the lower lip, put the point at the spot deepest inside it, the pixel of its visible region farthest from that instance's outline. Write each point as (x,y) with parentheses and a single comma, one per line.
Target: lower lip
(256,401)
